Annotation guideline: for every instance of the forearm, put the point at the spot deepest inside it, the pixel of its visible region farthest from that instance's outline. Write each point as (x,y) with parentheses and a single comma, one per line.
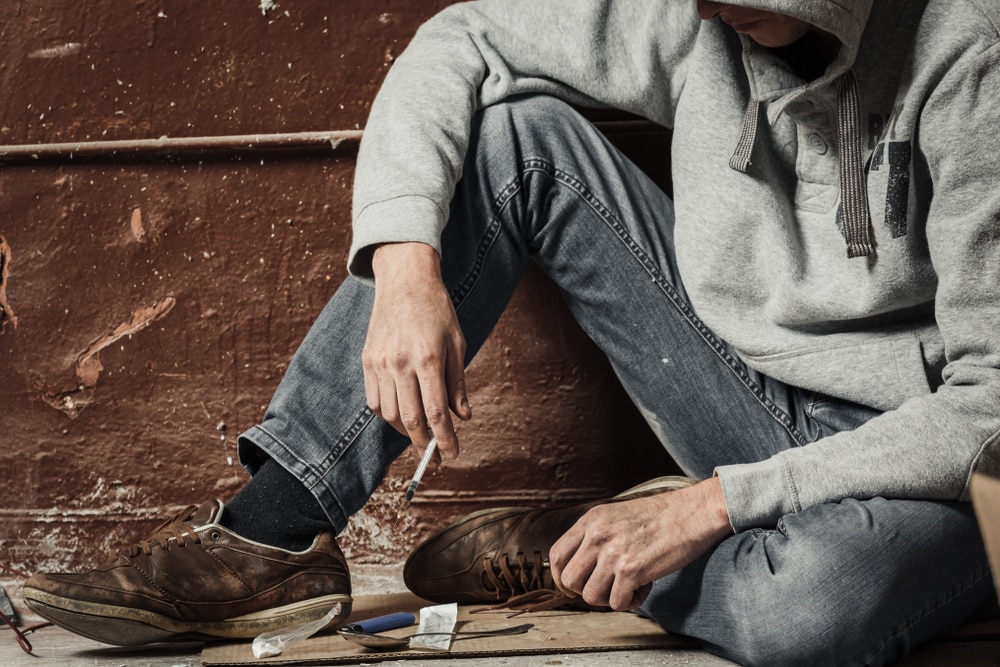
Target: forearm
(926,449)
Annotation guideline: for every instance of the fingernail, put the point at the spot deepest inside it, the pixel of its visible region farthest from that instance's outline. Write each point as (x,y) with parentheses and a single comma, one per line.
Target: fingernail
(466,406)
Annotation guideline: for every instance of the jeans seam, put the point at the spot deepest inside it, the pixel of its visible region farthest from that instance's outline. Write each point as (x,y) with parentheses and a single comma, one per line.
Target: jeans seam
(344,441)
(465,286)
(565,178)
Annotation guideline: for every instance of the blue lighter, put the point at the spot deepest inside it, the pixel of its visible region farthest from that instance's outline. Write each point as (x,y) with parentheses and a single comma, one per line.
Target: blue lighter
(400,619)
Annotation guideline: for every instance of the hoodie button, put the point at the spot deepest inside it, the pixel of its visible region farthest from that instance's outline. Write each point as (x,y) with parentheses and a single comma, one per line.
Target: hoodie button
(818,144)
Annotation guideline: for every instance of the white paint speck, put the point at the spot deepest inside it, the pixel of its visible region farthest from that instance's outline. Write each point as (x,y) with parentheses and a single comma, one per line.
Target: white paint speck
(267,6)
(60,51)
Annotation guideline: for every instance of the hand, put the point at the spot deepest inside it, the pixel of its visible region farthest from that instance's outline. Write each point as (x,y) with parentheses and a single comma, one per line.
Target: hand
(615,551)
(414,351)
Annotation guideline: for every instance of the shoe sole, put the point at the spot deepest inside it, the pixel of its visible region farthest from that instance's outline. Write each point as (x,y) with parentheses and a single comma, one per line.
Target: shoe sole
(125,626)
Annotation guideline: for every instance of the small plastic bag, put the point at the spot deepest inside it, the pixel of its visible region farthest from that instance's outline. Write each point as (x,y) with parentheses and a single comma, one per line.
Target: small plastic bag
(269,644)
(440,619)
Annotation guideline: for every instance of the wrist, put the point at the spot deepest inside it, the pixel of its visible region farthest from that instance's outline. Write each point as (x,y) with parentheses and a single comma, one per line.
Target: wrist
(394,258)
(715,506)
(708,503)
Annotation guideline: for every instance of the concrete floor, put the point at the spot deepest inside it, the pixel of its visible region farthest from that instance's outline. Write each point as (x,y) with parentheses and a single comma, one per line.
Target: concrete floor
(56,647)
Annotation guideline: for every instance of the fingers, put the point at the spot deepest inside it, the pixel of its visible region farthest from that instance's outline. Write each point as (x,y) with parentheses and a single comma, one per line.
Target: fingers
(615,551)
(458,399)
(594,559)
(415,351)
(560,554)
(414,401)
(601,579)
(433,410)
(417,389)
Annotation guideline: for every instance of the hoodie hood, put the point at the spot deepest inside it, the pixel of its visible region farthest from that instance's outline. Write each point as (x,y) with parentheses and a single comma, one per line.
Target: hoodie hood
(845,19)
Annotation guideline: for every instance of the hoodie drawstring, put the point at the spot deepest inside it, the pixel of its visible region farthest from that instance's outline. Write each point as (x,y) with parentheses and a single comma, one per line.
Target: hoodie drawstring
(853,215)
(740,161)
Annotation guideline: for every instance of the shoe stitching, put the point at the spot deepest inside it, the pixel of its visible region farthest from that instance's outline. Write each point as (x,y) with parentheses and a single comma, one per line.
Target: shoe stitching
(175,528)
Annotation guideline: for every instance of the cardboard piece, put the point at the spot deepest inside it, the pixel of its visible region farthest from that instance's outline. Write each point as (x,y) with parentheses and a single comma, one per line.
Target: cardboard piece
(985,492)
(562,631)
(554,632)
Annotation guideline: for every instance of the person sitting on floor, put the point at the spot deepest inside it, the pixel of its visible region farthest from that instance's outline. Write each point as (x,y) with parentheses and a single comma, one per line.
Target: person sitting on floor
(825,283)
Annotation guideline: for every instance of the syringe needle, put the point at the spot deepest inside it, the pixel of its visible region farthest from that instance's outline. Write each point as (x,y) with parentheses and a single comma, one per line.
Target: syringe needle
(417,476)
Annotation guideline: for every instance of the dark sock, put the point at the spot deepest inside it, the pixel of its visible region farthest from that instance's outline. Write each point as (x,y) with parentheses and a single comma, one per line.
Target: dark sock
(276,509)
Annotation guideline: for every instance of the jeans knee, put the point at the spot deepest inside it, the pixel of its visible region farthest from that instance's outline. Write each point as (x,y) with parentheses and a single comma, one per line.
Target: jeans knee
(786,607)
(527,126)
(786,641)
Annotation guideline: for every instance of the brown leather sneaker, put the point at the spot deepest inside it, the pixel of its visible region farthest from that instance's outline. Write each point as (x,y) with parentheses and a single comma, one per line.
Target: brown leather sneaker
(194,579)
(502,555)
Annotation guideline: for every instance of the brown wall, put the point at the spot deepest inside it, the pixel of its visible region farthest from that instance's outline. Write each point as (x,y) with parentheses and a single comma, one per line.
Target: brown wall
(151,305)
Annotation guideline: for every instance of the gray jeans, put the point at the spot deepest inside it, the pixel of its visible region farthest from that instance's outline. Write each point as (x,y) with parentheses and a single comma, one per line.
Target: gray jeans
(854,582)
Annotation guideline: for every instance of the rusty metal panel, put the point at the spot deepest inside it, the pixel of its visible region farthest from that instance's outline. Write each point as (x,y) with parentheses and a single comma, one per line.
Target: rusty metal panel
(149,307)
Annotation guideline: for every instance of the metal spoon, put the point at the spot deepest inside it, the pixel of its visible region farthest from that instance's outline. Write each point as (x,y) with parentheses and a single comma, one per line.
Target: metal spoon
(386,643)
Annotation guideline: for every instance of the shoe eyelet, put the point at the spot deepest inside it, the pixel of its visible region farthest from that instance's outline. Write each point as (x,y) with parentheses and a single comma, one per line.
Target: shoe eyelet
(216,535)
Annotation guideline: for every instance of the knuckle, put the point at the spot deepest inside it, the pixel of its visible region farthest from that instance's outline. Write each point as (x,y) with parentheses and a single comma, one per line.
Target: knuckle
(435,414)
(573,580)
(628,570)
(601,533)
(399,361)
(599,512)
(426,358)
(374,361)
(411,422)
(592,598)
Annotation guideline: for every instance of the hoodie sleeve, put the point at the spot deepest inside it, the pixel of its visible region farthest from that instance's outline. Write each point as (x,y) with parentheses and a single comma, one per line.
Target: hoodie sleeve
(929,447)
(628,54)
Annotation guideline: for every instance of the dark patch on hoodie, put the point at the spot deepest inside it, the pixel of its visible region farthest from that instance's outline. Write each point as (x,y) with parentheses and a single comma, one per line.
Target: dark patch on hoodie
(898,155)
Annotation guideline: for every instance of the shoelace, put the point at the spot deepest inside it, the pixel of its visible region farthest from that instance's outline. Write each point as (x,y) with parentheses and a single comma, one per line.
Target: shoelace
(174,527)
(20,633)
(522,586)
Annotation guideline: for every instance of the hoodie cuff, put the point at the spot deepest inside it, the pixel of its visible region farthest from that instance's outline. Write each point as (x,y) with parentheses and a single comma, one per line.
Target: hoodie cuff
(410,218)
(758,494)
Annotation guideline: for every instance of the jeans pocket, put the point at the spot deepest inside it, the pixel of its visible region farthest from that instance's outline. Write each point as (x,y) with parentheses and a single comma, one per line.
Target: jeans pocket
(833,415)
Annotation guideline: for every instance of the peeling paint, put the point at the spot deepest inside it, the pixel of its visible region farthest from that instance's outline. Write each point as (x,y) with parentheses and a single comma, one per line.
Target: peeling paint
(372,531)
(60,51)
(135,222)
(6,312)
(88,365)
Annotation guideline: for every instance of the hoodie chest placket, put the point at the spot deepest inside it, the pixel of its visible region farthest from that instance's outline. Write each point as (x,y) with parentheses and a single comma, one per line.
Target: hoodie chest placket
(811,118)
(816,158)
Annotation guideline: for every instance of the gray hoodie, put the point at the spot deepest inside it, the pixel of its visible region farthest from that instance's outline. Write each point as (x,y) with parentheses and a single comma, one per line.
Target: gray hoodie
(843,234)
